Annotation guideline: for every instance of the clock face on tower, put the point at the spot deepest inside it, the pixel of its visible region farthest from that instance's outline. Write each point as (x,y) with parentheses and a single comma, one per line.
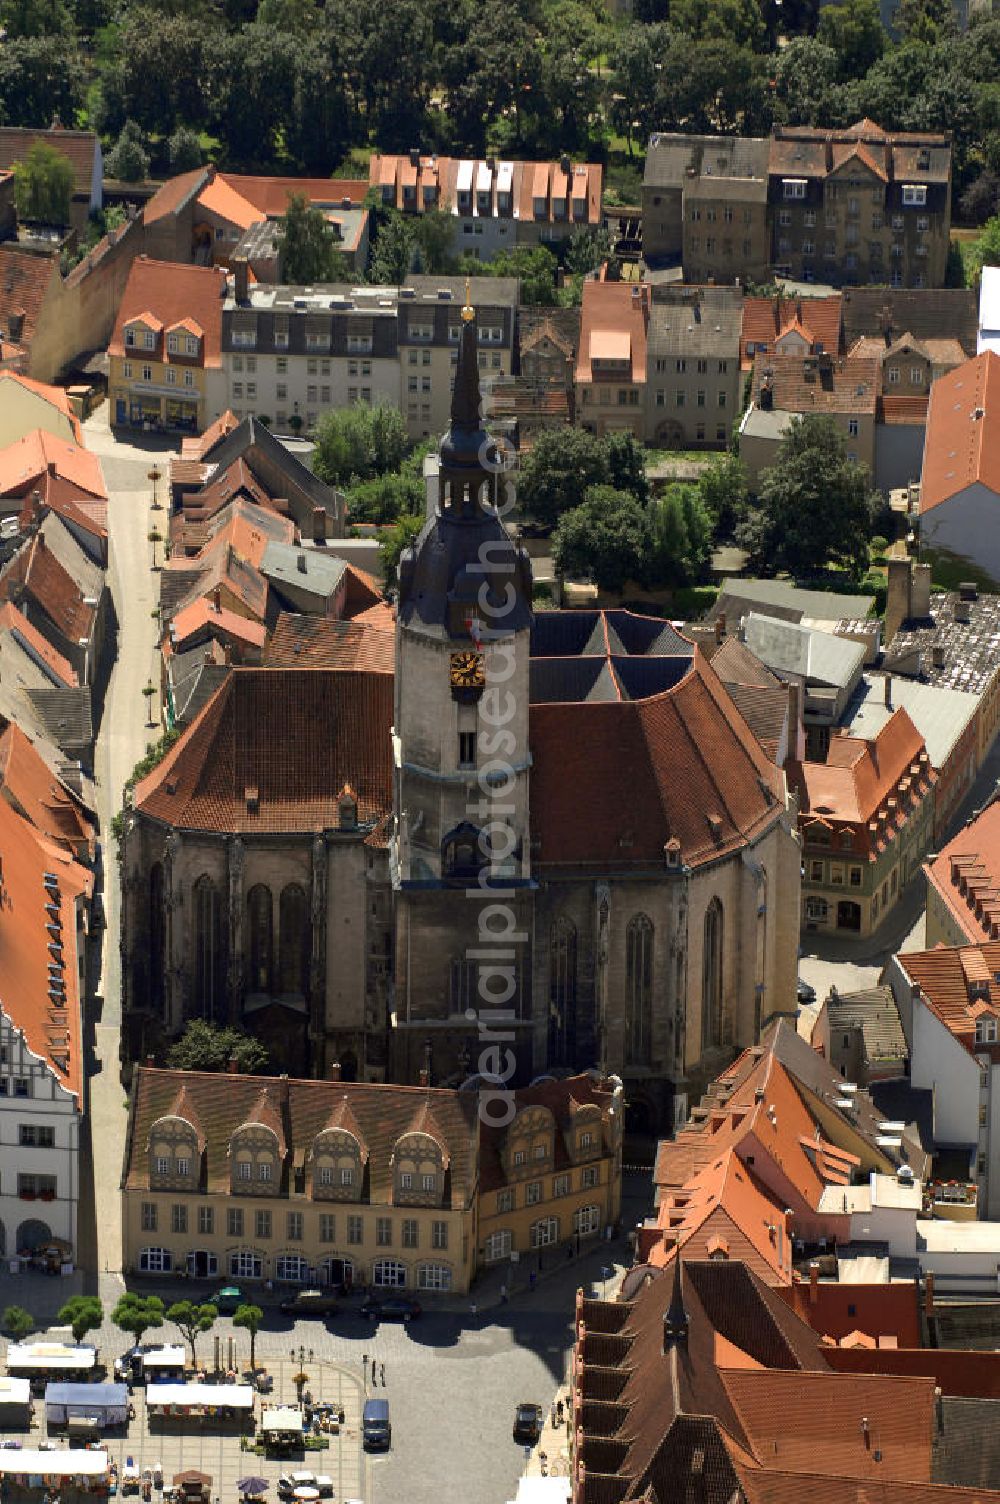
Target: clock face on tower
(466,671)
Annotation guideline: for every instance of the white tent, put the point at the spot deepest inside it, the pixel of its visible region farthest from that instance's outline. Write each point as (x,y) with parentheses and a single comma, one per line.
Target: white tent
(164,1357)
(49,1357)
(183,1399)
(283,1420)
(55,1464)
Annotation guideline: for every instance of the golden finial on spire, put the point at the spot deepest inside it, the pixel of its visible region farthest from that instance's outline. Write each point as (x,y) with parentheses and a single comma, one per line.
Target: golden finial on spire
(468,312)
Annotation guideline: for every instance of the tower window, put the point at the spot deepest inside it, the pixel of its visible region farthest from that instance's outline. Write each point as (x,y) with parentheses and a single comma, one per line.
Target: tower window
(467,749)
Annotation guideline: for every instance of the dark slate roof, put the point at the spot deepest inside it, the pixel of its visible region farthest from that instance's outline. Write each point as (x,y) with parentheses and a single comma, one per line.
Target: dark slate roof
(65,715)
(967,1443)
(924,313)
(280,471)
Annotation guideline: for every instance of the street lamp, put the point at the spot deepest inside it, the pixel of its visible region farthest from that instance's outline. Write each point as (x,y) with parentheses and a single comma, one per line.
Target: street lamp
(149,690)
(154,476)
(155,537)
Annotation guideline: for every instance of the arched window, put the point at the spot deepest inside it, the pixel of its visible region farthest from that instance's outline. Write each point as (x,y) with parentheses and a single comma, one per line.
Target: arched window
(260,938)
(207,949)
(711,976)
(462,854)
(639,991)
(562,993)
(293,941)
(156,936)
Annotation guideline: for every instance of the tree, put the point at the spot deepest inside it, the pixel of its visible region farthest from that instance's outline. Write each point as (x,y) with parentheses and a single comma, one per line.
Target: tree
(392,543)
(635,75)
(84,1313)
(587,250)
(737,20)
(185,150)
(988,244)
(17,1322)
(723,487)
(854,30)
(308,246)
(128,160)
(386,498)
(36,18)
(605,539)
(815,506)
(296,16)
(805,80)
(433,235)
(533,265)
(357,443)
(206,1047)
(191,1320)
(391,252)
(250,1318)
(626,464)
(563,464)
(138,1314)
(40,78)
(43,185)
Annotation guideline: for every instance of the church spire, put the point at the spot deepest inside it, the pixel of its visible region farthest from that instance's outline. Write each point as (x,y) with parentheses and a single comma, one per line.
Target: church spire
(465,400)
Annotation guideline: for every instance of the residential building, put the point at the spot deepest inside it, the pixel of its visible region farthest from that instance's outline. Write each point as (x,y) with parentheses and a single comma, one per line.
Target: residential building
(780,598)
(988,335)
(945,639)
(611,367)
(772,709)
(949,1004)
(704,206)
(908,368)
(860,205)
(790,326)
(27,406)
(82,149)
(963,883)
(293,353)
(866,818)
(960,480)
(63,594)
(825,667)
(888,312)
(693,378)
(366,642)
(43,938)
(495,204)
(790,386)
(210,217)
(946,718)
(166,371)
(331,1182)
(861,1035)
(541,394)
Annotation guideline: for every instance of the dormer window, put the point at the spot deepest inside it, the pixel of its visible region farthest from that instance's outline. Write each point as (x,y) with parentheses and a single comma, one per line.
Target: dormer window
(347,1177)
(586,1140)
(173,343)
(264,1170)
(540,1151)
(191,344)
(130,337)
(183,1167)
(986,1029)
(149,339)
(244,1169)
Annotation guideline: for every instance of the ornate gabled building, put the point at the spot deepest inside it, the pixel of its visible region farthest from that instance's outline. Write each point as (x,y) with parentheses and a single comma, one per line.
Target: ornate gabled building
(587,858)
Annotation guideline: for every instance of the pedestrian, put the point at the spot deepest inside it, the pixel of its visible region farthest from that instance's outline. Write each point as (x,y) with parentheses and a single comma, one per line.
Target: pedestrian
(569,1250)
(503,1295)
(473,1308)
(364,1361)
(374,1372)
(383,1375)
(532,1276)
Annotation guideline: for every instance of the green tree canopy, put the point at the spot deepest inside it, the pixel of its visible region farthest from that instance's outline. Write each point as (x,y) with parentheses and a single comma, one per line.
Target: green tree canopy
(128,159)
(185,150)
(392,543)
(680,537)
(84,1313)
(43,185)
(206,1047)
(558,471)
(815,507)
(17,1322)
(308,246)
(988,244)
(250,1318)
(605,539)
(723,487)
(854,31)
(138,1314)
(392,251)
(358,443)
(191,1320)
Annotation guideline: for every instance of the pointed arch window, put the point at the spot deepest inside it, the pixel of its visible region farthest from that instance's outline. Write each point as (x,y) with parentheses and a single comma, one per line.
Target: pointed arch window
(207,949)
(156,936)
(293,941)
(711,976)
(260,937)
(562,992)
(639,991)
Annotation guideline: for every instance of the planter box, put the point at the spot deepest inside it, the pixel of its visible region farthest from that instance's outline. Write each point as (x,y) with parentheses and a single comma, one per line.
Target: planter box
(27,1195)
(46,1195)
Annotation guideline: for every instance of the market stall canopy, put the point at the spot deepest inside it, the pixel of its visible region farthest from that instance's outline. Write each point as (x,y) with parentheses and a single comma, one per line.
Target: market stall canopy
(252,1486)
(15,1391)
(192,1479)
(108,1402)
(229,1396)
(40,1357)
(57,1464)
(283,1418)
(164,1357)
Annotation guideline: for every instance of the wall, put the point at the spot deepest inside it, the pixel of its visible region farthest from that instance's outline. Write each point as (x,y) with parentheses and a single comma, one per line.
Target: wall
(690,422)
(48,1105)
(937,1060)
(961,527)
(899,454)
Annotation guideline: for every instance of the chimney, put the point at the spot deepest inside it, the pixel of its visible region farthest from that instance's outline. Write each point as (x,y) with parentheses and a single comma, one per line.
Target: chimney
(866,1432)
(210,173)
(150,1063)
(217,598)
(241,279)
(334,1071)
(887,687)
(40,541)
(929,1293)
(232,1066)
(794,720)
(720,627)
(425,1076)
(300,564)
(937,655)
(813,1283)
(319,524)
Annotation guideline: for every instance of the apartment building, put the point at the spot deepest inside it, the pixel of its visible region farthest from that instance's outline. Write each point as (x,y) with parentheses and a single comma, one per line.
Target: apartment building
(704,206)
(164,351)
(292,353)
(610,379)
(495,204)
(336,1182)
(787,386)
(860,205)
(693,375)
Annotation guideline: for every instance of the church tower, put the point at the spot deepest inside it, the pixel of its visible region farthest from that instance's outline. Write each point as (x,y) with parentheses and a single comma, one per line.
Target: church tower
(460,741)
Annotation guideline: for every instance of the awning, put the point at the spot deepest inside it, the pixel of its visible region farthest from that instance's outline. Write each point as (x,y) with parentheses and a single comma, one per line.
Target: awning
(284,1420)
(57,1464)
(107,1402)
(49,1357)
(15,1391)
(164,1357)
(195,1396)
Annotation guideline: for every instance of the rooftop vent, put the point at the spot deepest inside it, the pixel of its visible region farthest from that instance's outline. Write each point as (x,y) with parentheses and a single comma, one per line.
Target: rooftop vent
(252,796)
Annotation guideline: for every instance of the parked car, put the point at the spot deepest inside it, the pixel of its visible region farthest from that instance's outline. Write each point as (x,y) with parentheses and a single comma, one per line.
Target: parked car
(228,1300)
(527,1423)
(376,1427)
(309,1303)
(805,992)
(390,1308)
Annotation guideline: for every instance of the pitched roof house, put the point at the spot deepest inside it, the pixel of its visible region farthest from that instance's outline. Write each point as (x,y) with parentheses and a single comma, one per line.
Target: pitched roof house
(960,480)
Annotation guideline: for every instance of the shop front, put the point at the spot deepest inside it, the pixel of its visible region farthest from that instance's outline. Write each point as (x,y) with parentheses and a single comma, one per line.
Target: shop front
(156,408)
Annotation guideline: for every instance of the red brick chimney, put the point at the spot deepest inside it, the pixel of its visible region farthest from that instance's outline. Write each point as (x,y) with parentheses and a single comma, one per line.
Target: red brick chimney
(334,1071)
(929,1293)
(425,1076)
(813,1283)
(232,1066)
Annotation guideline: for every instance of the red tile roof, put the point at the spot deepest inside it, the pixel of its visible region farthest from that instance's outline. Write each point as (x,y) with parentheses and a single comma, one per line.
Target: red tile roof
(295,736)
(823,385)
(53,1033)
(36,573)
(962,444)
(23,463)
(197,446)
(617,312)
(966,875)
(958,984)
(323,642)
(834,1310)
(78,147)
(25,279)
(174,194)
(14,621)
(765,318)
(171,291)
(30,787)
(56,395)
(361,591)
(696,773)
(201,614)
(269,196)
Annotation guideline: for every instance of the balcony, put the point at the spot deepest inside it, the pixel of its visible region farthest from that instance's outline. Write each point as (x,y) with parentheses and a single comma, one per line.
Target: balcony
(951,1200)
